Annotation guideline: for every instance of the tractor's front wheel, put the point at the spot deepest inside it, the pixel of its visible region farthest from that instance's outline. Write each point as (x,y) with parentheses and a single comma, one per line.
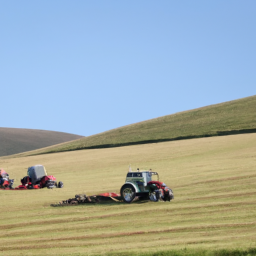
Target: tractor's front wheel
(127,193)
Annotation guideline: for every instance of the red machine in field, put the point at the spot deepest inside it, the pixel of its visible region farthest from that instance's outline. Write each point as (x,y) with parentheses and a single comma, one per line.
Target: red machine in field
(5,181)
(38,178)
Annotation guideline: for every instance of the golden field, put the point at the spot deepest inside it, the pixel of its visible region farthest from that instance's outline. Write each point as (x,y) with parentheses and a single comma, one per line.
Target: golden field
(213,180)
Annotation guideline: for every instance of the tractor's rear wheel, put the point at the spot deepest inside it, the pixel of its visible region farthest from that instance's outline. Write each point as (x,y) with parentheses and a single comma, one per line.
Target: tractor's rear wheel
(127,193)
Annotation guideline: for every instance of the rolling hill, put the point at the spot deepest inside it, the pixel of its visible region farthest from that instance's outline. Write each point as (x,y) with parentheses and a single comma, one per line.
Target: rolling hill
(233,117)
(213,179)
(15,140)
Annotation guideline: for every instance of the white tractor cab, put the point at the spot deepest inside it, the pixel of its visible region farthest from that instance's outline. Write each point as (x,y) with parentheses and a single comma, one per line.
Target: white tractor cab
(145,185)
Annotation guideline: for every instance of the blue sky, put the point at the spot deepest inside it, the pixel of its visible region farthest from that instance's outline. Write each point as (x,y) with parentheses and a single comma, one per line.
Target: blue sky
(85,67)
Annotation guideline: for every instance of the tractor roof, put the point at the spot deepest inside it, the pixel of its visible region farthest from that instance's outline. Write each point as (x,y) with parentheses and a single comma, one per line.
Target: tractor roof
(143,171)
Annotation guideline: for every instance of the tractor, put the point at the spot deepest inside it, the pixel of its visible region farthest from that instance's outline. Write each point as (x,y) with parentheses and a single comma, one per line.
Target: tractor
(145,185)
(37,178)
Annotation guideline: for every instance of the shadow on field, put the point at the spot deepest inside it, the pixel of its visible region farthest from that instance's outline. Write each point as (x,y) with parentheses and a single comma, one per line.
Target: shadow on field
(96,200)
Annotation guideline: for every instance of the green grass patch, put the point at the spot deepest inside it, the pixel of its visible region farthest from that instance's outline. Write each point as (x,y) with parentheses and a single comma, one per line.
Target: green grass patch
(195,252)
(233,117)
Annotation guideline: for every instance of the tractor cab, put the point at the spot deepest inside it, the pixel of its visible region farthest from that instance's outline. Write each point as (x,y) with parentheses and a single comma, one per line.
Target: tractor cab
(141,177)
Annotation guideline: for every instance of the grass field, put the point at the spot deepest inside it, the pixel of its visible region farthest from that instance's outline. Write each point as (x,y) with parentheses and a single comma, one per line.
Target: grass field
(233,117)
(213,213)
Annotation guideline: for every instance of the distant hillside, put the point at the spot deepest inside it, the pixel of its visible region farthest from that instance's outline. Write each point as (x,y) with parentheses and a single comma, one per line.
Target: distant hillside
(14,140)
(233,117)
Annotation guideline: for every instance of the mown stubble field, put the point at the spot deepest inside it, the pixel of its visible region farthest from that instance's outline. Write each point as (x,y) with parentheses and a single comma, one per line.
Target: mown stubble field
(213,180)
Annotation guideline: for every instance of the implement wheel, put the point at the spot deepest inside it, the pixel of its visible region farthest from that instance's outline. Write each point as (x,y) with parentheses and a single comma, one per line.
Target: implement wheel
(60,184)
(127,193)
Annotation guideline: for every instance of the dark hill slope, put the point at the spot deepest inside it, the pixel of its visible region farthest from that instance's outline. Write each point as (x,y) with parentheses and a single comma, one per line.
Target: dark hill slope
(233,117)
(15,140)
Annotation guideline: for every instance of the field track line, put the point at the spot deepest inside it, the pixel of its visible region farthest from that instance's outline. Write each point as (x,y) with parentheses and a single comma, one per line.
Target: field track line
(218,180)
(223,196)
(117,235)
(86,218)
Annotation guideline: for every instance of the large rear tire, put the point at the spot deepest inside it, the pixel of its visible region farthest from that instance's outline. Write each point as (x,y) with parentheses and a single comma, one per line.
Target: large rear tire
(128,193)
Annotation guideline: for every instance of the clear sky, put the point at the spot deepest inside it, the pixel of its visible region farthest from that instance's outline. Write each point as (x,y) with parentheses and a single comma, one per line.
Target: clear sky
(85,67)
